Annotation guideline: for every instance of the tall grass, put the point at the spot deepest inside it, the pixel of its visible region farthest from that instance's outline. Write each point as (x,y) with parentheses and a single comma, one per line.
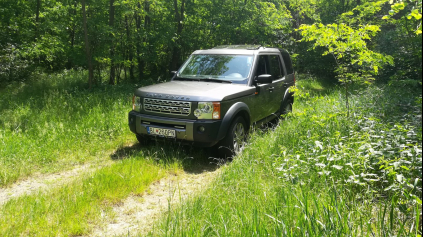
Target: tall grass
(54,123)
(320,173)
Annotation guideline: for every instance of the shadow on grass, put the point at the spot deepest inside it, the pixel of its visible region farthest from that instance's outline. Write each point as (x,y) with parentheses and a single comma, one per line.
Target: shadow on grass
(195,160)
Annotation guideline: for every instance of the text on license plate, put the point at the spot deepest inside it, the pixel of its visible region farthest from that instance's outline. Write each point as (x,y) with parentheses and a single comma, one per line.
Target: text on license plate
(161,132)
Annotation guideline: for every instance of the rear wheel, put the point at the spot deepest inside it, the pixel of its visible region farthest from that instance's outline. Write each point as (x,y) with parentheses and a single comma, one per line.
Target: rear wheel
(286,108)
(234,142)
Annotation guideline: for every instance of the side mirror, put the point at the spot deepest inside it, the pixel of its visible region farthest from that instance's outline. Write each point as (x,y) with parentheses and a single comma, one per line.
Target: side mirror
(173,73)
(264,79)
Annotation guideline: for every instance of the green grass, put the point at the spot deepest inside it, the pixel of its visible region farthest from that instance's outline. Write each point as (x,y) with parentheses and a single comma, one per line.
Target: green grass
(74,209)
(320,173)
(55,123)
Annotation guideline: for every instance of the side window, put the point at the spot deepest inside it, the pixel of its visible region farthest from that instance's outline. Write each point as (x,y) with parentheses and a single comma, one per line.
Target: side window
(263,65)
(276,67)
(288,62)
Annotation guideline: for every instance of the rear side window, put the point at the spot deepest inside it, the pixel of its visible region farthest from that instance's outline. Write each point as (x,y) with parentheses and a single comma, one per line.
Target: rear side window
(288,62)
(276,67)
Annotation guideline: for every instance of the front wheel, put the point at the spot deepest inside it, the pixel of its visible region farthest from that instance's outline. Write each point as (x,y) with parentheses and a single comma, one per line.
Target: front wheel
(234,142)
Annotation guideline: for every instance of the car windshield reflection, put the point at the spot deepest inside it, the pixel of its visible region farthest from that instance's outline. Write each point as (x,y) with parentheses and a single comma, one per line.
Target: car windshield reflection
(231,68)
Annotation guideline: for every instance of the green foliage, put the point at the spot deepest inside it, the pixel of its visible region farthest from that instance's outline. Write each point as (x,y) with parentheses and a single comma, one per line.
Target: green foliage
(403,40)
(146,40)
(348,41)
(144,36)
(414,14)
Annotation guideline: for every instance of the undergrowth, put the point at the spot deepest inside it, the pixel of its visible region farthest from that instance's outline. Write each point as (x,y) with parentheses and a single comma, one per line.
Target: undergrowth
(320,173)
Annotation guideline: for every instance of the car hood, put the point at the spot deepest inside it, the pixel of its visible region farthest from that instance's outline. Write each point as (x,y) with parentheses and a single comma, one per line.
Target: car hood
(195,91)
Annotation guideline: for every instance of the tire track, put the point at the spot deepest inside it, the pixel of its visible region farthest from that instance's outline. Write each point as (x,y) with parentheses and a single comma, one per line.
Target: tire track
(136,215)
(41,183)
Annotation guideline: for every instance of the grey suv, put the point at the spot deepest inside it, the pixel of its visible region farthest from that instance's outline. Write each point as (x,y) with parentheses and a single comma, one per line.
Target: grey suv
(215,97)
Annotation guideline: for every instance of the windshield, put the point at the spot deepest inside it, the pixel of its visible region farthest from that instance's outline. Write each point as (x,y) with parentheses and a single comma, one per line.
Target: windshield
(231,68)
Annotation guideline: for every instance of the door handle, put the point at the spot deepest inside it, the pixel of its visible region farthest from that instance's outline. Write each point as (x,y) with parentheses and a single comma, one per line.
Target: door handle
(271,89)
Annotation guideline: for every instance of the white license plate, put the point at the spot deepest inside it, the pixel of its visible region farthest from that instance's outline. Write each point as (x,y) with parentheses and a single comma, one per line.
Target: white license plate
(161,132)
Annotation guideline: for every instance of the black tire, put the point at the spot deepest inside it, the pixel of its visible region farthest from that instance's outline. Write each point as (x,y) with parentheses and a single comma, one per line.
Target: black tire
(234,141)
(286,107)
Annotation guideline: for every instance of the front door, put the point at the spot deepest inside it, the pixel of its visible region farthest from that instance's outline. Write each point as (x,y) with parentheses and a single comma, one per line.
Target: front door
(263,106)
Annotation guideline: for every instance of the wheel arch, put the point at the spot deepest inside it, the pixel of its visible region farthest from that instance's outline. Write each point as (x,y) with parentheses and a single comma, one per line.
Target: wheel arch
(288,96)
(237,109)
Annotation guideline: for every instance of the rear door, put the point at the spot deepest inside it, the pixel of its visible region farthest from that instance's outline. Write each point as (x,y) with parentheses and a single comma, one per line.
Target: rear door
(279,81)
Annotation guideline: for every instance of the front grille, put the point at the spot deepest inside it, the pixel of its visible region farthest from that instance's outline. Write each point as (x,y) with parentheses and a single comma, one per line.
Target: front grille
(167,106)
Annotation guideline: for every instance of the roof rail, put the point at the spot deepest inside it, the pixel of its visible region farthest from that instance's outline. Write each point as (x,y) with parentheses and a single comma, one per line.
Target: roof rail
(248,47)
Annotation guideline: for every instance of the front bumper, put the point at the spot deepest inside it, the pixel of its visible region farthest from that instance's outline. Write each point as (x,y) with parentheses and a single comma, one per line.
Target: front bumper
(186,130)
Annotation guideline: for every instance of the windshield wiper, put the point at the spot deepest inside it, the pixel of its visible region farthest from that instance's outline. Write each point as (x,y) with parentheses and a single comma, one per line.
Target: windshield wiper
(208,79)
(215,80)
(186,79)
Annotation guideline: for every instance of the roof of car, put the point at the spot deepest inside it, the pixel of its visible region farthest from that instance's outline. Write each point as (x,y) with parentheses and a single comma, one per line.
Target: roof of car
(238,50)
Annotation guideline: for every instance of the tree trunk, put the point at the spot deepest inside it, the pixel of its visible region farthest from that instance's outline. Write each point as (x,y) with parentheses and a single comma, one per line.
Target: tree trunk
(37,18)
(37,14)
(130,53)
(179,18)
(147,19)
(72,35)
(112,47)
(87,47)
(139,40)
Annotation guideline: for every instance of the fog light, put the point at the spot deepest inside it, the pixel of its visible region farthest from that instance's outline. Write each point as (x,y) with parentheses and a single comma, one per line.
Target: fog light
(202,129)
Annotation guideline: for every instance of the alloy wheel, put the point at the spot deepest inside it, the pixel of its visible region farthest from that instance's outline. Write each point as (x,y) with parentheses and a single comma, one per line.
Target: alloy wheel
(239,138)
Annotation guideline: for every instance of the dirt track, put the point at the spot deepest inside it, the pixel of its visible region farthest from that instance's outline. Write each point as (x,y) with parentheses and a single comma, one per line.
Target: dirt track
(40,183)
(136,215)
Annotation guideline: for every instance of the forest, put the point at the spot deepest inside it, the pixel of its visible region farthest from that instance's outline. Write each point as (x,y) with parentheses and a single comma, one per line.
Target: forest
(130,40)
(346,162)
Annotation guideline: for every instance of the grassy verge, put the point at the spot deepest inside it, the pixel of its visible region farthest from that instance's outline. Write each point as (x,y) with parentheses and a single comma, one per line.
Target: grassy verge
(320,173)
(55,123)
(74,209)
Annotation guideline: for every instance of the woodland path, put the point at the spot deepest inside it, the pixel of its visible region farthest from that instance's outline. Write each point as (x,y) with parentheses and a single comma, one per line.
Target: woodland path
(135,215)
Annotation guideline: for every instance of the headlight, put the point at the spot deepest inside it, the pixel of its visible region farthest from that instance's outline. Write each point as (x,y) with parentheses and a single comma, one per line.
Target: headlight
(208,110)
(136,104)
